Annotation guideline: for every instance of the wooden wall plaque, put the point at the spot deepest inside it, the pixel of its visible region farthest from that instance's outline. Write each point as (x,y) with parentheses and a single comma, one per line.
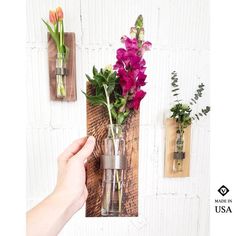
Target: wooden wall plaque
(97,121)
(71,66)
(171,125)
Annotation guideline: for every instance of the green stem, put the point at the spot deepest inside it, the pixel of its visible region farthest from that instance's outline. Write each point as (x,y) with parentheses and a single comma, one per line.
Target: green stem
(113,139)
(109,114)
(61,34)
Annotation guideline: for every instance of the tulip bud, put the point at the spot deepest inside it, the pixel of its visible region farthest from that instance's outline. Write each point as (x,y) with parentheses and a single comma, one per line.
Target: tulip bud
(52,17)
(59,13)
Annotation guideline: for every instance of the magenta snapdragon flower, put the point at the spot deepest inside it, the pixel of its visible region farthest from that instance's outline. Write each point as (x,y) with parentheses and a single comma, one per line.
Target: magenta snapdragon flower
(130,67)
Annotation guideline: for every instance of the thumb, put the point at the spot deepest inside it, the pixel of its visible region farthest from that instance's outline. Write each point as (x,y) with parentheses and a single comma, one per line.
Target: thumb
(87,149)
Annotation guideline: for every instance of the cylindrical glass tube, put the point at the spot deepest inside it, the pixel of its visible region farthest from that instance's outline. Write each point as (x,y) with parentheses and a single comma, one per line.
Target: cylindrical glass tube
(61,75)
(179,153)
(112,184)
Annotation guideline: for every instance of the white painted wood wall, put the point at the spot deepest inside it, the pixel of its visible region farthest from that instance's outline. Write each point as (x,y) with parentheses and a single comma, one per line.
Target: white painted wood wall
(179,31)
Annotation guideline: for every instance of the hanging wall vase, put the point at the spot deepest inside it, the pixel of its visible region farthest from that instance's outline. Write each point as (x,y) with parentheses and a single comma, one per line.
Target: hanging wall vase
(62,70)
(114,94)
(113,164)
(177,150)
(61,58)
(107,196)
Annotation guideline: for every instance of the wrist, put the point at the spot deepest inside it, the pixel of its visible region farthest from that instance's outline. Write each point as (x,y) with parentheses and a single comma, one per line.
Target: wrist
(68,201)
(63,204)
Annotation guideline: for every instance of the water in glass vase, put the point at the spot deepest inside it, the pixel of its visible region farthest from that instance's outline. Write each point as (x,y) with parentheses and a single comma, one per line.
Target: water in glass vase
(61,75)
(113,164)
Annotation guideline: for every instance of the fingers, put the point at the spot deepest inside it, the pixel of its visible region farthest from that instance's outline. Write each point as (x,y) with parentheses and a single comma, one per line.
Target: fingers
(72,149)
(86,150)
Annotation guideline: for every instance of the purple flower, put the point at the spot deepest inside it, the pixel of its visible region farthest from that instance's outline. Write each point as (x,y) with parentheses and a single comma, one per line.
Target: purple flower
(131,68)
(146,46)
(131,43)
(135,103)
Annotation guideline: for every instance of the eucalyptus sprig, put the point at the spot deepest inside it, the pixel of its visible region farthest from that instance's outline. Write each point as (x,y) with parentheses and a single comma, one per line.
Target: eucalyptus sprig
(174,83)
(198,94)
(181,112)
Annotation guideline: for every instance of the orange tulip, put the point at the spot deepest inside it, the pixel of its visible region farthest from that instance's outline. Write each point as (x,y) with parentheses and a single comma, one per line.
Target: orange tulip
(53,17)
(59,13)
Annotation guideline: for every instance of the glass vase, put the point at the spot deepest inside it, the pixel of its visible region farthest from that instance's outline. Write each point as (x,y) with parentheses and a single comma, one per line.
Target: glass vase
(61,72)
(179,153)
(113,163)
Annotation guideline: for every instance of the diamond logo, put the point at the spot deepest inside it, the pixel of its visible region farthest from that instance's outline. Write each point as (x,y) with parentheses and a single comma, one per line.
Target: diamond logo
(223,190)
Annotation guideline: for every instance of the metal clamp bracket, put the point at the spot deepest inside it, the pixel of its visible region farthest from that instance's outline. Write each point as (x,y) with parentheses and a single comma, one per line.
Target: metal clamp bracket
(113,162)
(179,155)
(61,71)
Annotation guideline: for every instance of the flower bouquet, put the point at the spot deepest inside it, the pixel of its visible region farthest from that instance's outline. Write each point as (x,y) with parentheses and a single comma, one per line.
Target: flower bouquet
(182,113)
(118,88)
(57,34)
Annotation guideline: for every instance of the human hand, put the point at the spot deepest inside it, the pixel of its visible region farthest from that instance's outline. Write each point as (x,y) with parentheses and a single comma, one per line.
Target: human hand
(71,172)
(50,215)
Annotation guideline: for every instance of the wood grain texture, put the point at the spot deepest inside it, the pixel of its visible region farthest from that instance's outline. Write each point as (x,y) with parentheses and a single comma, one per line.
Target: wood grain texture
(71,66)
(171,126)
(97,122)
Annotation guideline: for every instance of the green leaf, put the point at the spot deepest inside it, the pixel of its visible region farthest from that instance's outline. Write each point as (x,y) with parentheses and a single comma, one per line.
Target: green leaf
(92,81)
(120,118)
(99,90)
(100,79)
(113,113)
(96,100)
(174,90)
(95,71)
(54,36)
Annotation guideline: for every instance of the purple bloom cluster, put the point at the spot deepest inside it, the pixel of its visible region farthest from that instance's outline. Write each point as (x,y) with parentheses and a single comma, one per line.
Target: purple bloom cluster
(130,67)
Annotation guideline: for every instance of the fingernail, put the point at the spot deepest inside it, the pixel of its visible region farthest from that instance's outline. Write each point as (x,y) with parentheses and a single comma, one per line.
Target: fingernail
(91,139)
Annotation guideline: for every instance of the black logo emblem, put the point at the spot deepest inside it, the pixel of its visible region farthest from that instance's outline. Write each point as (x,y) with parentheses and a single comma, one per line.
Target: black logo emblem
(223,190)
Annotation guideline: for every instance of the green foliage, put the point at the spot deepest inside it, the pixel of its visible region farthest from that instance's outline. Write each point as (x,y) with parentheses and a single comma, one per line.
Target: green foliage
(107,93)
(175,86)
(182,112)
(58,37)
(198,94)
(53,34)
(203,112)
(104,77)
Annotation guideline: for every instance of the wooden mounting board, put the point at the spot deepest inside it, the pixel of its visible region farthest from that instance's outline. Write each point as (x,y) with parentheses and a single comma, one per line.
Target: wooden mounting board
(97,121)
(71,66)
(170,147)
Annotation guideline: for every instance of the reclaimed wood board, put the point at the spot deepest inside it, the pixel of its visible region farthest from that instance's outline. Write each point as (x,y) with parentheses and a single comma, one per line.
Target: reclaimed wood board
(171,125)
(97,121)
(71,66)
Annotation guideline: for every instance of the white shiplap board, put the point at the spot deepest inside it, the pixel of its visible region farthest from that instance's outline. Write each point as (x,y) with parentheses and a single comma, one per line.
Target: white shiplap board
(179,31)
